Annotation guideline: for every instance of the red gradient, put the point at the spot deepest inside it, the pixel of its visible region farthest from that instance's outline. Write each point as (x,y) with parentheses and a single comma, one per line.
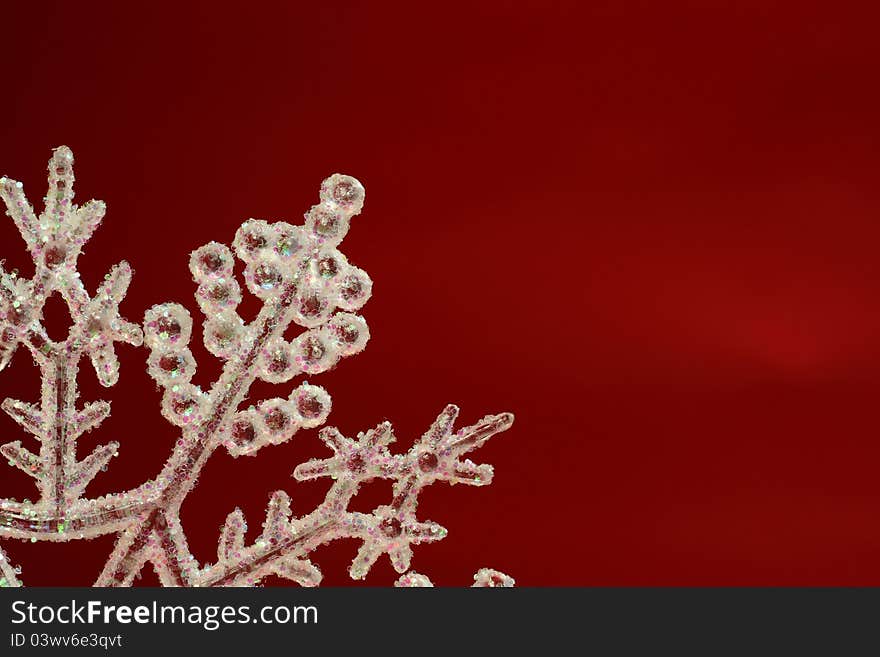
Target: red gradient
(648,229)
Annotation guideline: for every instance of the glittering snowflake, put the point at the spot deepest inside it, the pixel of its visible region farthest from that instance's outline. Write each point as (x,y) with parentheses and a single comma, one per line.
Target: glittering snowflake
(302,279)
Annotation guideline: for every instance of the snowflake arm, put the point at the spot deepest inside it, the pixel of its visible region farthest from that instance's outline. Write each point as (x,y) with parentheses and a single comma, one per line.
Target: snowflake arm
(55,240)
(388,530)
(354,460)
(391,529)
(302,279)
(394,528)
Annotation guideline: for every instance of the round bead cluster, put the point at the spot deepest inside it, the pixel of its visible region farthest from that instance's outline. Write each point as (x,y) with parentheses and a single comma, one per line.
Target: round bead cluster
(303,278)
(167,331)
(223,332)
(316,350)
(211,266)
(276,420)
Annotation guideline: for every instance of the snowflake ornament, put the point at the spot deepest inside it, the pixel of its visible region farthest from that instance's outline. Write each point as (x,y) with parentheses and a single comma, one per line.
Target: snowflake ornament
(302,279)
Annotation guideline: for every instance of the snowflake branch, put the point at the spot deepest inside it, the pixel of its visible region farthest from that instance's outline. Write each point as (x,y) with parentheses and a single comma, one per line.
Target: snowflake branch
(392,529)
(301,278)
(55,242)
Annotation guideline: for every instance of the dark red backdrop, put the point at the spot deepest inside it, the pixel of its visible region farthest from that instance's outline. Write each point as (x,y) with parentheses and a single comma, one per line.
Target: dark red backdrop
(649,229)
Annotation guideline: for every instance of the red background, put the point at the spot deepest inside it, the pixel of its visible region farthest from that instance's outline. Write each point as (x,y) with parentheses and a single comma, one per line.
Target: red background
(649,229)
